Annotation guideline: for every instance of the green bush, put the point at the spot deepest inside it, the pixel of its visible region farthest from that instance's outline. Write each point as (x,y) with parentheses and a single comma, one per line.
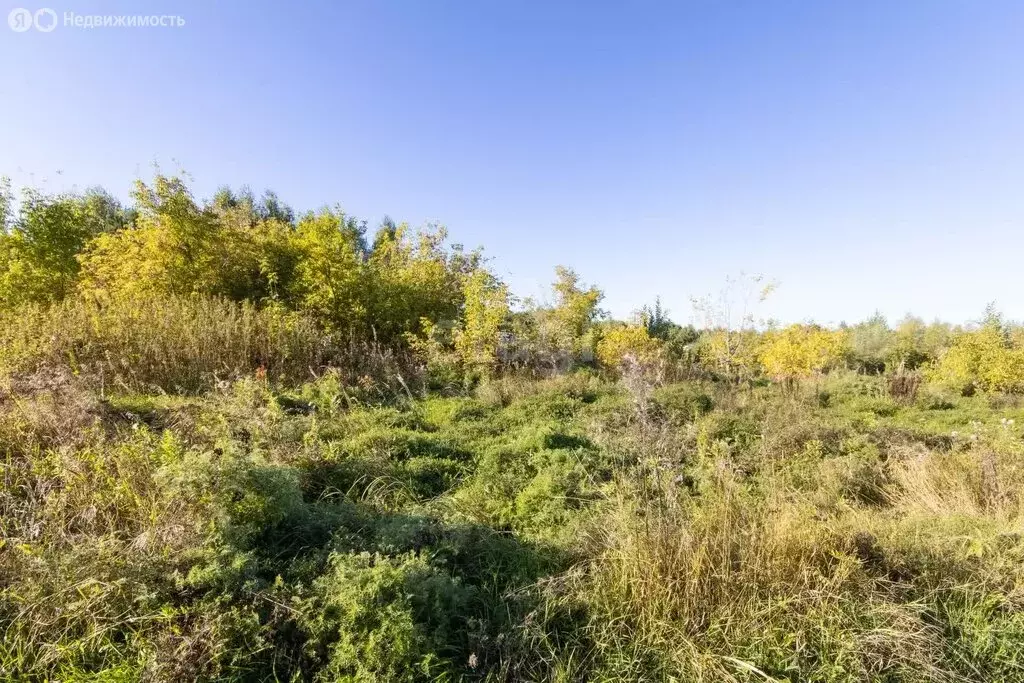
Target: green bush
(377,618)
(683,403)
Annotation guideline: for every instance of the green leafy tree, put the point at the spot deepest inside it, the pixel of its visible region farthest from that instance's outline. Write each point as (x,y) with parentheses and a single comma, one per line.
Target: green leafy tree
(330,276)
(566,327)
(39,246)
(415,276)
(871,344)
(6,204)
(678,341)
(555,336)
(655,319)
(576,306)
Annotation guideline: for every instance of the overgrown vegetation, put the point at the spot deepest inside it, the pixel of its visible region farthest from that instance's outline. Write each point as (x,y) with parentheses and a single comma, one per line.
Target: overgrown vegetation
(241,443)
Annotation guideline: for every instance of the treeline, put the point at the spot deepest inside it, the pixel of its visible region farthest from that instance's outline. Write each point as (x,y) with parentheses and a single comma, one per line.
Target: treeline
(178,292)
(234,246)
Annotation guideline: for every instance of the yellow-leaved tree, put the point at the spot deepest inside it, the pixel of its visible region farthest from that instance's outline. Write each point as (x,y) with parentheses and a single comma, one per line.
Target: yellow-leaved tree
(485,311)
(730,353)
(989,358)
(800,351)
(627,341)
(176,246)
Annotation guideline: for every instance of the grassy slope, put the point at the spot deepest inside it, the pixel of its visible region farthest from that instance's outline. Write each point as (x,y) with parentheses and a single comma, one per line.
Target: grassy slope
(561,530)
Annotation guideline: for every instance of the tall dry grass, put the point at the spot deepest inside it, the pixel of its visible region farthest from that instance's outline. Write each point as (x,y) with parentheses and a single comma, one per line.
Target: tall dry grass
(769,576)
(171,344)
(736,589)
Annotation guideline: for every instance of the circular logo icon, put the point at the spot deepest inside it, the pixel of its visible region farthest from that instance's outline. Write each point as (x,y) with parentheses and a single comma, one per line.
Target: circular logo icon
(45,20)
(20,19)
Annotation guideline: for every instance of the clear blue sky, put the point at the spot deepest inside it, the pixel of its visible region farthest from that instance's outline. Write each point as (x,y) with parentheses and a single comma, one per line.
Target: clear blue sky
(865,154)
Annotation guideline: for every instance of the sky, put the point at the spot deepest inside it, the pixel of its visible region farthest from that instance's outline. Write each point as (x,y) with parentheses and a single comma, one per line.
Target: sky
(866,155)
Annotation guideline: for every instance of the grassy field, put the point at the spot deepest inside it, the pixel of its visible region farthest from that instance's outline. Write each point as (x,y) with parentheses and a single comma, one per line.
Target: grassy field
(565,529)
(241,443)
